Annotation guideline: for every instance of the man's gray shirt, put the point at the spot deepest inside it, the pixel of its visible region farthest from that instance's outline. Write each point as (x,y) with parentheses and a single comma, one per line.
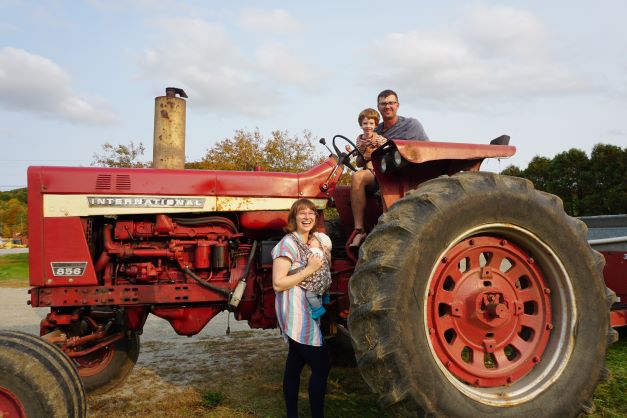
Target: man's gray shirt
(404,128)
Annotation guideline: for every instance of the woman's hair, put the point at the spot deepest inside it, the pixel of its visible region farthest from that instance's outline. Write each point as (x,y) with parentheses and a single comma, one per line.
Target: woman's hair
(368,114)
(299,205)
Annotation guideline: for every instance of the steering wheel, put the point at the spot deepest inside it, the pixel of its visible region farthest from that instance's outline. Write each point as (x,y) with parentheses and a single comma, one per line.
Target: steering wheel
(343,157)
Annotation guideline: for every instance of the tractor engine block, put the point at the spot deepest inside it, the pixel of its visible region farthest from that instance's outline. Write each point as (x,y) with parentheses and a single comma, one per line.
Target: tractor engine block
(158,250)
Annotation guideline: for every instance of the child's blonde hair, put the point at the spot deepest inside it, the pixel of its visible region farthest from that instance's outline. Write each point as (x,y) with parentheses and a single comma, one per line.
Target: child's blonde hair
(368,114)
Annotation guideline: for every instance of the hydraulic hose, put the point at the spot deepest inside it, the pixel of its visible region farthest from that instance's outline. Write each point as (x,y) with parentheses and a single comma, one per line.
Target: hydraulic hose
(235,296)
(203,283)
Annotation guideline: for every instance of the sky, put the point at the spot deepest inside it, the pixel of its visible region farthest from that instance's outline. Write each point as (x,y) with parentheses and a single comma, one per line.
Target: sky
(77,74)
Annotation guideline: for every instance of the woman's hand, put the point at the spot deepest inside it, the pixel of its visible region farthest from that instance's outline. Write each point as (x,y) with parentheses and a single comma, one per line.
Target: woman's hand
(281,281)
(314,262)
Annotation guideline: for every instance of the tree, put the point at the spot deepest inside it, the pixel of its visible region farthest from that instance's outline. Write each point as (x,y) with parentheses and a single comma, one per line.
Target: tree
(19,194)
(13,218)
(587,186)
(120,156)
(512,170)
(608,164)
(247,150)
(569,178)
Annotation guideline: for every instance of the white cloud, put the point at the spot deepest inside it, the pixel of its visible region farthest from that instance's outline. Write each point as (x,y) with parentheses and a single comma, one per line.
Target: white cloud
(32,83)
(501,31)
(284,66)
(201,57)
(500,54)
(276,21)
(117,5)
(616,133)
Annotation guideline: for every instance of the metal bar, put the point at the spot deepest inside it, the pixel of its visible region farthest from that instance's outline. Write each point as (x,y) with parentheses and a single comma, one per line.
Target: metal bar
(602,241)
(145,294)
(104,343)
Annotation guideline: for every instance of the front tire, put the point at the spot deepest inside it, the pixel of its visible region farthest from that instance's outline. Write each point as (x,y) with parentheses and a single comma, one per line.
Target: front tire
(107,368)
(476,294)
(37,379)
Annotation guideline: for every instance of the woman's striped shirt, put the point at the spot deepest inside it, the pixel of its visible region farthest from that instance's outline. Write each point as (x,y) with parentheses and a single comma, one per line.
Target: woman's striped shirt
(292,308)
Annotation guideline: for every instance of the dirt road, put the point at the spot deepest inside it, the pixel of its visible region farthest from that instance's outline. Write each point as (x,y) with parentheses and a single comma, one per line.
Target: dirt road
(168,363)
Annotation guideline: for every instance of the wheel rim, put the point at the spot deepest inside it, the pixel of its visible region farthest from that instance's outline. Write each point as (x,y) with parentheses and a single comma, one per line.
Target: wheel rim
(10,406)
(499,314)
(94,363)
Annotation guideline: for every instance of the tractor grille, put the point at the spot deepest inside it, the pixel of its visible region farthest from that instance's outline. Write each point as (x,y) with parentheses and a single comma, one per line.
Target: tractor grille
(105,182)
(123,182)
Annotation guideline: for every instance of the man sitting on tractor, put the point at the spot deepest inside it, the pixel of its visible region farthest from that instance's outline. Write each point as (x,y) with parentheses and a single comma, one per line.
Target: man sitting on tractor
(393,126)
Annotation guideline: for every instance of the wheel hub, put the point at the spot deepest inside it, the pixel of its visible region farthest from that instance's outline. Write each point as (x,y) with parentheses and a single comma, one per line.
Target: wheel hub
(10,406)
(488,312)
(492,309)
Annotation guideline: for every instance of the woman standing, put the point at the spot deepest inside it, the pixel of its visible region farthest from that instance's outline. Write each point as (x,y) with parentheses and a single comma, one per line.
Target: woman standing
(300,331)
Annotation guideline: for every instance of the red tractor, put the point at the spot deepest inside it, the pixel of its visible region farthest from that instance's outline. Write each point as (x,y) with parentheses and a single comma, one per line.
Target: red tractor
(473,293)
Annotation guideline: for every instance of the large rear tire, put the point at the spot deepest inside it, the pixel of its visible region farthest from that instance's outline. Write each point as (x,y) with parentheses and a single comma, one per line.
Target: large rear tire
(476,295)
(37,380)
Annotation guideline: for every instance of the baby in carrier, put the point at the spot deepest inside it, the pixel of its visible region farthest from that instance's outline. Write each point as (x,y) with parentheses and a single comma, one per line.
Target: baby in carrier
(316,285)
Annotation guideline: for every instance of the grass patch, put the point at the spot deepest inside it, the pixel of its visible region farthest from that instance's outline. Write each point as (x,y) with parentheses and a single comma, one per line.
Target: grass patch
(14,270)
(259,393)
(610,397)
(211,399)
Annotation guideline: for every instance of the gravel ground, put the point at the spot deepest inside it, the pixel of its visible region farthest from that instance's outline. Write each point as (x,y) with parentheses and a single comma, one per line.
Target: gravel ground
(168,363)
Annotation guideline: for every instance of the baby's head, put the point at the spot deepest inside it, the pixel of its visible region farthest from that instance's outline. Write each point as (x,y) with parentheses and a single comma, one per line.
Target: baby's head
(325,241)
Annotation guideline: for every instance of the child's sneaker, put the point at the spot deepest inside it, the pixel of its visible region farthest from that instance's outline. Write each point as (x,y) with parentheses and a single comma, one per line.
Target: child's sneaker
(318,312)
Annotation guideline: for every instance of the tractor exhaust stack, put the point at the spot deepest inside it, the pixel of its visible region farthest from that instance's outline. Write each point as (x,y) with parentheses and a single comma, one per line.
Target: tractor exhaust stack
(169,133)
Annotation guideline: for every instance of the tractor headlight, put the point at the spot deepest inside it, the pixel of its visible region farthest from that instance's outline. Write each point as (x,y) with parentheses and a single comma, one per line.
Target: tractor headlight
(384,164)
(398,158)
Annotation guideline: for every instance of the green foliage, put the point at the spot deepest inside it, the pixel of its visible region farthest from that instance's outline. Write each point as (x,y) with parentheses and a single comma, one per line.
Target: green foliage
(121,156)
(592,185)
(13,215)
(20,194)
(211,399)
(247,150)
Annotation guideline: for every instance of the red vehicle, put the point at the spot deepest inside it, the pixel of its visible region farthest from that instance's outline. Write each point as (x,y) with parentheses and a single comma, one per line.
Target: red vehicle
(608,235)
(474,293)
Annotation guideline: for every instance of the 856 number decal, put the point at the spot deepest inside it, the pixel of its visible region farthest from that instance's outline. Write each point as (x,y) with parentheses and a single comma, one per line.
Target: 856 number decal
(66,269)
